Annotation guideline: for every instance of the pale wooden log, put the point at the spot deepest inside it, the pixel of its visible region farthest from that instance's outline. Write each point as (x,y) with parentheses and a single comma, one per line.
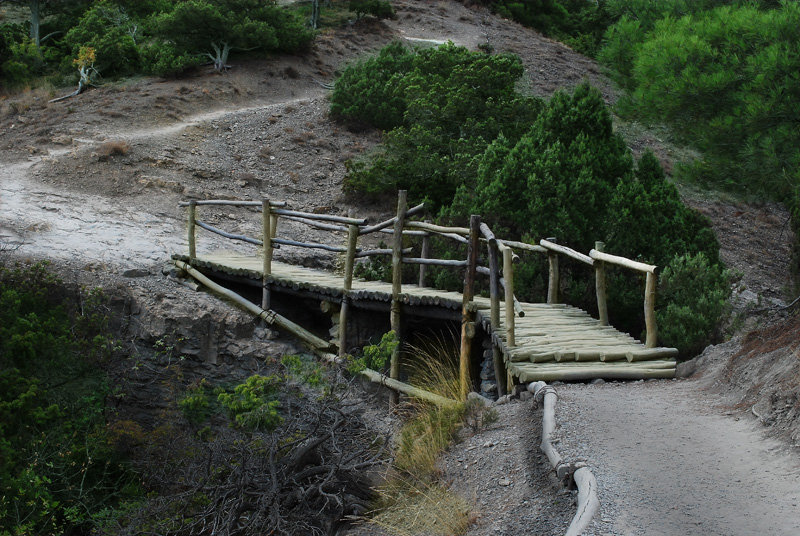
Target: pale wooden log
(622,261)
(318,225)
(600,286)
(508,276)
(588,503)
(391,221)
(425,253)
(225,234)
(650,310)
(548,396)
(523,246)
(553,279)
(588,374)
(621,365)
(349,262)
(435,262)
(439,229)
(551,245)
(651,353)
(378,252)
(397,265)
(222,202)
(395,385)
(284,242)
(191,229)
(270,317)
(467,315)
(320,217)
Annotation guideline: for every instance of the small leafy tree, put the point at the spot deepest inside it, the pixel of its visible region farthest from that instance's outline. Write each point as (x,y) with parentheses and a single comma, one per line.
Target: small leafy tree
(695,293)
(112,34)
(380,9)
(214,29)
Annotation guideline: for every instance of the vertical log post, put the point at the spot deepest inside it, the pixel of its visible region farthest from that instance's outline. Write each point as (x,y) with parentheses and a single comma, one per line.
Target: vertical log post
(266,238)
(349,261)
(397,272)
(508,276)
(192,230)
(650,310)
(600,286)
(553,283)
(425,253)
(494,296)
(467,314)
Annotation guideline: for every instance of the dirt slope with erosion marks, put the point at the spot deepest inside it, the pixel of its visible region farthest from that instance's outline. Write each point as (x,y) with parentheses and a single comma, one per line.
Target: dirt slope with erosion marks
(262,130)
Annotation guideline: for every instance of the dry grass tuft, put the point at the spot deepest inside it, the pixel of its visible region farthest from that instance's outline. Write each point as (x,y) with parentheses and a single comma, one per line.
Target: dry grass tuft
(112,148)
(410,508)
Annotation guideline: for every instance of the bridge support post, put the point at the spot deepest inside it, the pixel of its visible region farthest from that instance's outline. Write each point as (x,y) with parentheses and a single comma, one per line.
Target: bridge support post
(425,253)
(508,276)
(467,314)
(600,285)
(266,238)
(650,310)
(494,296)
(192,229)
(349,261)
(397,280)
(553,283)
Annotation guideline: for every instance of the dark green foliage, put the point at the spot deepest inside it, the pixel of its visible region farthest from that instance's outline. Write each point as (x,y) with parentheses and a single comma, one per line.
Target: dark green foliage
(727,80)
(380,9)
(59,472)
(112,33)
(456,102)
(695,293)
(373,90)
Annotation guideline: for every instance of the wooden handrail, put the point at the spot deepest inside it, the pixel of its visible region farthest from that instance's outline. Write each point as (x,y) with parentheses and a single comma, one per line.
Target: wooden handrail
(230,202)
(622,261)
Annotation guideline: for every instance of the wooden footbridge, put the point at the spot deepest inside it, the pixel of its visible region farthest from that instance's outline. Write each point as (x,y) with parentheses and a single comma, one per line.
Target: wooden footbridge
(529,341)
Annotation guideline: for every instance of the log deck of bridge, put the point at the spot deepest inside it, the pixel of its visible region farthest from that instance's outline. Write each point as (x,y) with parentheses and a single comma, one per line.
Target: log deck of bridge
(548,337)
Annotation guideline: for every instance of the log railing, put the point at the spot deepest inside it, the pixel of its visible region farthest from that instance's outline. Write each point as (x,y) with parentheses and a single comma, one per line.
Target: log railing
(500,254)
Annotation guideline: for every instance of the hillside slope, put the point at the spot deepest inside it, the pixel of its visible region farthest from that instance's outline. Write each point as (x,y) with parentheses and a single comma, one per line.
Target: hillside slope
(262,130)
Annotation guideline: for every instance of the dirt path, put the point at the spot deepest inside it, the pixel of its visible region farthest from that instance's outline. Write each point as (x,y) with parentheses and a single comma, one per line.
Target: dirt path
(670,462)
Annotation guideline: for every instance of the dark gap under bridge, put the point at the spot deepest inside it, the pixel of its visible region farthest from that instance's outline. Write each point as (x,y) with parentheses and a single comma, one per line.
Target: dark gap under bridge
(525,341)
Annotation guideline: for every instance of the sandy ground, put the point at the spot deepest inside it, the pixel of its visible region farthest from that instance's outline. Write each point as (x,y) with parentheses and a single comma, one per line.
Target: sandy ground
(670,458)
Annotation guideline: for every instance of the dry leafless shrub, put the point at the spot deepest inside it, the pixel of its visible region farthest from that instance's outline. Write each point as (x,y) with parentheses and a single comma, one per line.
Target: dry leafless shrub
(113,148)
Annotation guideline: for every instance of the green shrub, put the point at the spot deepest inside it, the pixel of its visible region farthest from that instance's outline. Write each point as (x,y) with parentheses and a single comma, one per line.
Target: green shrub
(695,296)
(59,470)
(372,90)
(380,9)
(253,405)
(456,101)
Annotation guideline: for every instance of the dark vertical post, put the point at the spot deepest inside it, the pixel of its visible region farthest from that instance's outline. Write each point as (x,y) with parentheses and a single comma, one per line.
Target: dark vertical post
(397,272)
(266,238)
(425,253)
(349,261)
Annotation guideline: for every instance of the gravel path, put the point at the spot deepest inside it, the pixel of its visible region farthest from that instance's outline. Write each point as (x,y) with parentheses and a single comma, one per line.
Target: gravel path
(668,462)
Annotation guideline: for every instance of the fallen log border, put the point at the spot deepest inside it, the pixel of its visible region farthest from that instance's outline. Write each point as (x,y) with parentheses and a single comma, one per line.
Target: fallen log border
(588,503)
